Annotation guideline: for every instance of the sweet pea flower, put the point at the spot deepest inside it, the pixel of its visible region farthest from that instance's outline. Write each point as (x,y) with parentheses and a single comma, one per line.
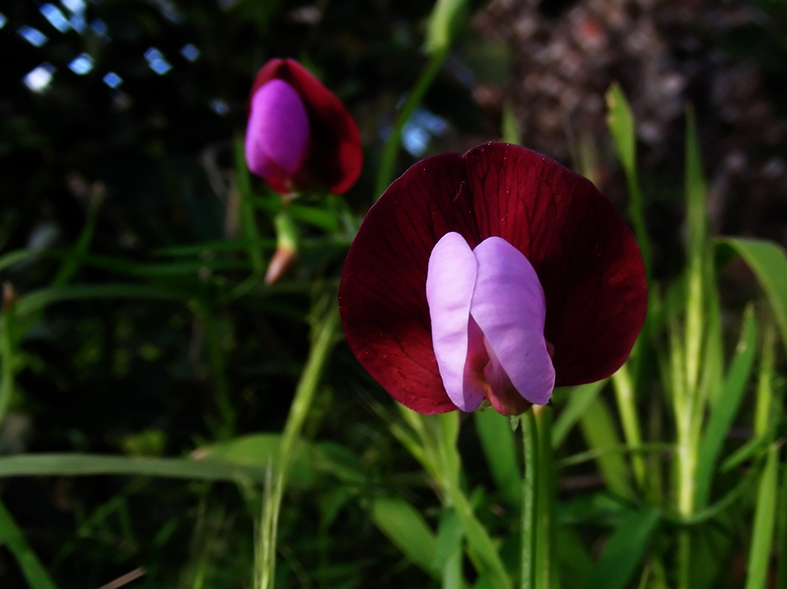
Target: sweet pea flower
(495,275)
(299,135)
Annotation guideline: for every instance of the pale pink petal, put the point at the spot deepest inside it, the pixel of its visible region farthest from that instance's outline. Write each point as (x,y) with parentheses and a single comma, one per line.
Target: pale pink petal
(277,134)
(508,305)
(450,279)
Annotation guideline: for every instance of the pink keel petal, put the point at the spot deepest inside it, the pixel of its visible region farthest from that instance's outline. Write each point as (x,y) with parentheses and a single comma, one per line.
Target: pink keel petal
(277,134)
(450,280)
(508,305)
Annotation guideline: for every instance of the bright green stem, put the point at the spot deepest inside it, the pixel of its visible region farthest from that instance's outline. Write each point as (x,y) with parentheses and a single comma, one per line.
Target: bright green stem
(277,476)
(538,493)
(391,149)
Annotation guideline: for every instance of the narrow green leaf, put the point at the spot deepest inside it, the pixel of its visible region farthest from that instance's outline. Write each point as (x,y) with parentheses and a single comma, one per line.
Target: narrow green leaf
(579,399)
(11,536)
(600,433)
(575,562)
(322,218)
(39,299)
(725,410)
(448,19)
(509,126)
(768,261)
(624,551)
(764,520)
(245,207)
(497,442)
(15,257)
(407,530)
(95,464)
(621,125)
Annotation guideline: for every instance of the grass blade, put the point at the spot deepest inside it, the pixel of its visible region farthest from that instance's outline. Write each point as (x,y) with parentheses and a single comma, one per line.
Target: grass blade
(768,261)
(624,551)
(32,569)
(600,433)
(579,399)
(764,521)
(725,410)
(497,442)
(406,529)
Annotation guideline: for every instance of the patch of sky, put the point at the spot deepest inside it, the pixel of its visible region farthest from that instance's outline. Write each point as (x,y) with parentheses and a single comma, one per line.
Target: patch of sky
(39,78)
(32,36)
(100,28)
(81,64)
(157,62)
(75,6)
(219,107)
(56,18)
(190,52)
(77,22)
(169,11)
(420,129)
(112,80)
(3,20)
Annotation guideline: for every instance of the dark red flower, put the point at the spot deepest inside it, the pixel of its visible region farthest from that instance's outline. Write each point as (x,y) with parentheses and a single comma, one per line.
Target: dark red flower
(558,301)
(299,135)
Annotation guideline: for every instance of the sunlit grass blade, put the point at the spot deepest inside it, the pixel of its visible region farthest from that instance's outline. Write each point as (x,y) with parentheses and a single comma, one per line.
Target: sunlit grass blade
(621,124)
(624,551)
(726,408)
(509,127)
(579,398)
(600,433)
(12,537)
(497,442)
(627,409)
(764,521)
(407,529)
(696,222)
(768,261)
(14,257)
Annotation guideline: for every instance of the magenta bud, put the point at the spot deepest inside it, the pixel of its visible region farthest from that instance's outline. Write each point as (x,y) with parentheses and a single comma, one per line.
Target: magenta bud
(277,135)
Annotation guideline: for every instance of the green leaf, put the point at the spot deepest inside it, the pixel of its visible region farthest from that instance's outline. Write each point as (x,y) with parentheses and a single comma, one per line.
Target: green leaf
(406,528)
(726,408)
(11,536)
(768,261)
(497,442)
(624,551)
(579,398)
(40,299)
(95,464)
(448,19)
(764,520)
(621,124)
(600,433)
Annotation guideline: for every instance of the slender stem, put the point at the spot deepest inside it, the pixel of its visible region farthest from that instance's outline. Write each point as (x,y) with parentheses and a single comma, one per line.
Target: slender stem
(545,498)
(304,394)
(391,149)
(529,499)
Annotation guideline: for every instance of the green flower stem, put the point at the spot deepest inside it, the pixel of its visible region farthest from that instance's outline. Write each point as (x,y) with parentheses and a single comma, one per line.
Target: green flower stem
(391,149)
(538,493)
(276,478)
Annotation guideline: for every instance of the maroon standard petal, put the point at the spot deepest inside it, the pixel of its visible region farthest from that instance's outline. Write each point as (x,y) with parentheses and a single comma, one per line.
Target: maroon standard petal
(334,156)
(584,255)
